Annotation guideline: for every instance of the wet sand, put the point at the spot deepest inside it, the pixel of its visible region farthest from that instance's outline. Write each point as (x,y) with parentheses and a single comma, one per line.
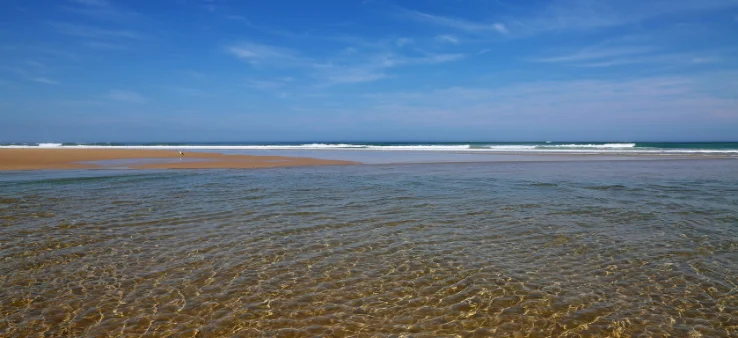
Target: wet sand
(59,159)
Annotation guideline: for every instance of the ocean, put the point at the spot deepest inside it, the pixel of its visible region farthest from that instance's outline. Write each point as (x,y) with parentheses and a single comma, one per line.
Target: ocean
(538,248)
(652,148)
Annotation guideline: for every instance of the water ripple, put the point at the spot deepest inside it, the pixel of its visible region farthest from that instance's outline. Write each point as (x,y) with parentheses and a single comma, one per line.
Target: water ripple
(532,249)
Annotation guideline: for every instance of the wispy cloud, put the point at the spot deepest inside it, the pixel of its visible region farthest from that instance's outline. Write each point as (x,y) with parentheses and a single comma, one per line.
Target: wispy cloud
(346,66)
(44,80)
(580,15)
(572,15)
(17,70)
(604,55)
(334,74)
(93,32)
(237,18)
(270,84)
(402,42)
(105,45)
(460,24)
(187,90)
(191,74)
(124,96)
(665,59)
(257,54)
(376,67)
(558,103)
(448,38)
(99,3)
(709,59)
(30,71)
(101,10)
(35,64)
(596,53)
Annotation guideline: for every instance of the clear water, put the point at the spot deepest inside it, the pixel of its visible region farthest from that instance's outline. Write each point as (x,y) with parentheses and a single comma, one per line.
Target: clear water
(615,248)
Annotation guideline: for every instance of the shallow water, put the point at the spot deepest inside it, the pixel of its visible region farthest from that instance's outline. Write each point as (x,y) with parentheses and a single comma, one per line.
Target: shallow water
(617,248)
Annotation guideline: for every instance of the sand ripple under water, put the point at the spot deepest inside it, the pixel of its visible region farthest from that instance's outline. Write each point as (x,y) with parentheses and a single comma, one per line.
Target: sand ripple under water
(474,250)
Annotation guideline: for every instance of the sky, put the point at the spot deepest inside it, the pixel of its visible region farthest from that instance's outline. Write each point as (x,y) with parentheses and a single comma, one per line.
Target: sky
(400,70)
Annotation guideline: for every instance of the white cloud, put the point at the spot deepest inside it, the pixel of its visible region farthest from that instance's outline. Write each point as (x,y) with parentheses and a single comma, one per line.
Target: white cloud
(100,3)
(437,58)
(93,32)
(596,53)
(342,75)
(105,45)
(448,38)
(237,18)
(44,80)
(708,59)
(608,56)
(101,10)
(187,90)
(578,103)
(402,42)
(391,60)
(349,65)
(461,24)
(270,84)
(580,15)
(257,54)
(573,15)
(35,64)
(501,28)
(376,67)
(124,96)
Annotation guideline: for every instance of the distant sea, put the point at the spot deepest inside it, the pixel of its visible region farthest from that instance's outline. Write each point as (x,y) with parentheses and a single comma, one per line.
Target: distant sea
(544,248)
(517,147)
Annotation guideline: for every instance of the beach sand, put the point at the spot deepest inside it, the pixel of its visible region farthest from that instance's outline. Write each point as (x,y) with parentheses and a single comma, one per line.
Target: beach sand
(56,159)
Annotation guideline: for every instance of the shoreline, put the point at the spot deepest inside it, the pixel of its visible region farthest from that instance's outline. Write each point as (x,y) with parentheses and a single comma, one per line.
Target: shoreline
(70,159)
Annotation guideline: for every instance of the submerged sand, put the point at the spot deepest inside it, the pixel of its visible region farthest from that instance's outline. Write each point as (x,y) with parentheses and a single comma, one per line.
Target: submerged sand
(56,159)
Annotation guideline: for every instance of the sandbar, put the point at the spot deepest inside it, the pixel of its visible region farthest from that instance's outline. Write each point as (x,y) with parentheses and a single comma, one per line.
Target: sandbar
(60,159)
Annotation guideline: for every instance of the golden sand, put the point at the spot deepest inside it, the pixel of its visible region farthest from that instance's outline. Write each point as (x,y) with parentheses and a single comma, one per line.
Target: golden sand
(47,159)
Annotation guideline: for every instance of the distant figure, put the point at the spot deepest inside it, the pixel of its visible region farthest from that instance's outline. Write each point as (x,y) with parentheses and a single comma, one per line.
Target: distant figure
(181,153)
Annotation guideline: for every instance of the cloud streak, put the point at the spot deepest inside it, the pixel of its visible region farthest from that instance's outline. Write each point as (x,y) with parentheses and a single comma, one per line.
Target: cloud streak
(599,56)
(347,68)
(44,80)
(575,103)
(596,53)
(572,15)
(456,23)
(448,38)
(93,32)
(124,96)
(580,15)
(98,3)
(376,67)
(260,55)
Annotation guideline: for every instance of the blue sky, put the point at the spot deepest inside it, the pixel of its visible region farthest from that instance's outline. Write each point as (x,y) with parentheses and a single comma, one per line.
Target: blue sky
(445,70)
